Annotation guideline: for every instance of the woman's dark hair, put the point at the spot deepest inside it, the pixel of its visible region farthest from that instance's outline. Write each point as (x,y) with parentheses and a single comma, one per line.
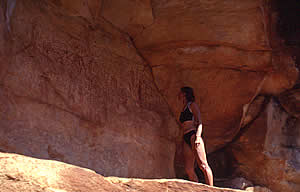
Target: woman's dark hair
(189,93)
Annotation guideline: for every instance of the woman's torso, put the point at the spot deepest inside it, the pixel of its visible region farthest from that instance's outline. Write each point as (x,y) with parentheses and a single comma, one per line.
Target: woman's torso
(187,119)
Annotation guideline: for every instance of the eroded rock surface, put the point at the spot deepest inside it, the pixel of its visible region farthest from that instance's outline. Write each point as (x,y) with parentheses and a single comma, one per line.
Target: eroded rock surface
(20,173)
(220,48)
(76,86)
(74,89)
(228,51)
(268,150)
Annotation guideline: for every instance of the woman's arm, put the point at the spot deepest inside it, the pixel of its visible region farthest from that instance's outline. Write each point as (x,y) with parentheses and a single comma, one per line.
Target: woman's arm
(197,121)
(198,134)
(196,112)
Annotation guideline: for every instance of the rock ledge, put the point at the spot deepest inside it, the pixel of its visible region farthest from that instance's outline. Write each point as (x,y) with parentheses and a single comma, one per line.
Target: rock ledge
(21,173)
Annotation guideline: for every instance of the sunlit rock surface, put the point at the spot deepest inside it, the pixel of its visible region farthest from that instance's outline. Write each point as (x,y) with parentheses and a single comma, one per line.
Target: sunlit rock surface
(74,89)
(20,173)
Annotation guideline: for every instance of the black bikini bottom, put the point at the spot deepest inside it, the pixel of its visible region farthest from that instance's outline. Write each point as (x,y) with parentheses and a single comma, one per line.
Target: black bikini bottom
(187,137)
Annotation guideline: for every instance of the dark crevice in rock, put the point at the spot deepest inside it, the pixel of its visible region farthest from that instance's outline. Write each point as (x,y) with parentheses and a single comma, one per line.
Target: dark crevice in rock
(10,177)
(288,28)
(288,24)
(223,160)
(237,68)
(248,125)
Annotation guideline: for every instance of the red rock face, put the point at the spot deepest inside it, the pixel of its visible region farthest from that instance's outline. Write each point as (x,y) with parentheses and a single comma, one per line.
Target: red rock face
(92,82)
(268,150)
(228,51)
(74,89)
(222,50)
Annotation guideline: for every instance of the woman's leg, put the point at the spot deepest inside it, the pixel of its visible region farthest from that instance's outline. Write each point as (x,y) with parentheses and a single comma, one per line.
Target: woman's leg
(189,159)
(202,162)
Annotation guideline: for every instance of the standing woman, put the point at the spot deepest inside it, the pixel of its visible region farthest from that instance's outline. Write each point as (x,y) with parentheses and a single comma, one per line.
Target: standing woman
(193,147)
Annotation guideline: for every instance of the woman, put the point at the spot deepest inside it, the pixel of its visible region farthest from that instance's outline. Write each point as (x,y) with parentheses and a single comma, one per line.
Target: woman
(193,147)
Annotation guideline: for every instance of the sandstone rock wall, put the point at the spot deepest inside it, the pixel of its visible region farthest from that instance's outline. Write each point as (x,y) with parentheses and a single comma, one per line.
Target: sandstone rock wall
(268,148)
(73,88)
(228,51)
(76,85)
(220,48)
(268,151)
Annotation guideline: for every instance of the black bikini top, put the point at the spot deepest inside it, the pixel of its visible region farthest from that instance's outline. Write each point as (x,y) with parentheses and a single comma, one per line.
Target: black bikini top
(186,115)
